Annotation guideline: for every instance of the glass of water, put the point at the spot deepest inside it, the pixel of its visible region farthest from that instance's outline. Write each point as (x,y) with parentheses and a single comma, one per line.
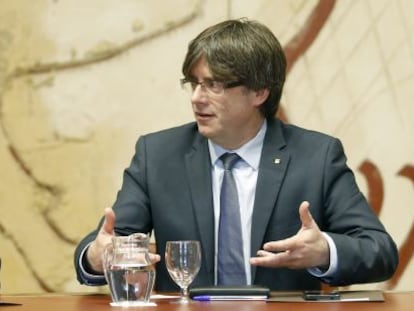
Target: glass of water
(183,260)
(129,271)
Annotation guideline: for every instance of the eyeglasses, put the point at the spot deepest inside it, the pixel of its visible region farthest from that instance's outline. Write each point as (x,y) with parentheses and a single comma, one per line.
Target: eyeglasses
(212,87)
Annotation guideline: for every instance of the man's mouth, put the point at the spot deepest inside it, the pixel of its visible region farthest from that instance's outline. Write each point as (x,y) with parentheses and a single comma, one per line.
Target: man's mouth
(203,116)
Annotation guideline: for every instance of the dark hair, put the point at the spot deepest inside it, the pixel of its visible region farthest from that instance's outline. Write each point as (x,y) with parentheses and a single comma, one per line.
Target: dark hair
(242,50)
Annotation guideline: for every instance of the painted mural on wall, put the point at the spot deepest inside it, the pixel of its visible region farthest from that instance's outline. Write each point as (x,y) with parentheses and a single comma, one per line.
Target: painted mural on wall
(75,96)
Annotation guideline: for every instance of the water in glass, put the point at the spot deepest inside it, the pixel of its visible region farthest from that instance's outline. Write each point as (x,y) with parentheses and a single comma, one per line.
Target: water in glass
(128,270)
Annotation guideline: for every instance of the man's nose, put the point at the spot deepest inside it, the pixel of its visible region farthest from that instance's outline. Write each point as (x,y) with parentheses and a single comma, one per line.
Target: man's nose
(199,93)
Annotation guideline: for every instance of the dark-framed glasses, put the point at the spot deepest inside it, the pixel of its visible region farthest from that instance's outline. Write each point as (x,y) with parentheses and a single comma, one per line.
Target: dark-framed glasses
(212,87)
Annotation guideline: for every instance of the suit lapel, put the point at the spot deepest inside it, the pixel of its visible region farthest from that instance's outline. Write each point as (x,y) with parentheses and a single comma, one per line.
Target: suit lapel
(198,167)
(273,164)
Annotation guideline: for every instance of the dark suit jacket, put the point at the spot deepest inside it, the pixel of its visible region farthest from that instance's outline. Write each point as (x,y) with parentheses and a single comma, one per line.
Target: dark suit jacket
(168,188)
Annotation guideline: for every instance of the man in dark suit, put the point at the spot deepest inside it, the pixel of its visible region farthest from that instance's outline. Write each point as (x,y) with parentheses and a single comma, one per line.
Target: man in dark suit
(303,218)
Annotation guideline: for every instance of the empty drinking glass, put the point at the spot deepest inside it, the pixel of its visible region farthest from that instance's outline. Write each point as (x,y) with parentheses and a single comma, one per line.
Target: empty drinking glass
(183,260)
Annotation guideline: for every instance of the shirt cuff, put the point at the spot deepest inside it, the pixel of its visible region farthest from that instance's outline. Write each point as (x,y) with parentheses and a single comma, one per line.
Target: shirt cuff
(333,261)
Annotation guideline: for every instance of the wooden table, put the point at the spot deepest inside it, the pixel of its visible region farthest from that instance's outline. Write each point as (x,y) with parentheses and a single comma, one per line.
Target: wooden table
(397,301)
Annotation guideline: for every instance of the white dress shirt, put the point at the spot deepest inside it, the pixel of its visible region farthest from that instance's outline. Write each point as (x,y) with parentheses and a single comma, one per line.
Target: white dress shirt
(245,174)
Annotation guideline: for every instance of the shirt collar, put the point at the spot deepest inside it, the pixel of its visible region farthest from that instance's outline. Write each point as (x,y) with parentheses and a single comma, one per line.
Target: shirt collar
(250,152)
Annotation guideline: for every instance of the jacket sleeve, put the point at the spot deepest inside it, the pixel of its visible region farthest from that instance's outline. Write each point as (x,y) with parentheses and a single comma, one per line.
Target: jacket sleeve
(366,252)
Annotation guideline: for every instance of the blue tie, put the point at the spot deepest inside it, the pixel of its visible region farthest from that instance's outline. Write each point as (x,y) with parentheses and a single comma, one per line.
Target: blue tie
(230,259)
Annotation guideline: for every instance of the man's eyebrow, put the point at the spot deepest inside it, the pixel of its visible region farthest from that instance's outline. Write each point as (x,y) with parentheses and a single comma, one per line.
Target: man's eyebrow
(192,78)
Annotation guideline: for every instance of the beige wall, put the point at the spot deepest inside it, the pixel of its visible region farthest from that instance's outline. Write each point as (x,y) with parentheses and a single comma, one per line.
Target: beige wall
(80,80)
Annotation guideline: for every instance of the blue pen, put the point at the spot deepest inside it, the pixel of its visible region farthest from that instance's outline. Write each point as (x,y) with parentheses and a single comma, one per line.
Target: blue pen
(228,297)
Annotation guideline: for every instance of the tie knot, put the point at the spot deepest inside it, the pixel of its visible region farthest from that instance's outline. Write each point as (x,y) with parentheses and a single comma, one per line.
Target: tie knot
(229,159)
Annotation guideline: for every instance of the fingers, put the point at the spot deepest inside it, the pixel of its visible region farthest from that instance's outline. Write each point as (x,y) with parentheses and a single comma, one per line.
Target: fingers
(280,246)
(109,222)
(270,259)
(107,229)
(154,258)
(305,215)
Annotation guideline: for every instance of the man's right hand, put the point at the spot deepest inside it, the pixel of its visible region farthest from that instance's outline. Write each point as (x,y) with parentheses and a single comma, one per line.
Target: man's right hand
(104,237)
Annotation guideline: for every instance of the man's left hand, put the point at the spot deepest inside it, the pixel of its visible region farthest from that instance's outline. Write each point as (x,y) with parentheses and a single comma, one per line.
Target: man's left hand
(306,249)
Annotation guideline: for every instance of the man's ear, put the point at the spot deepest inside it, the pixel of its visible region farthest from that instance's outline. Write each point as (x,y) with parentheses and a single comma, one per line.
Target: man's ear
(261,95)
